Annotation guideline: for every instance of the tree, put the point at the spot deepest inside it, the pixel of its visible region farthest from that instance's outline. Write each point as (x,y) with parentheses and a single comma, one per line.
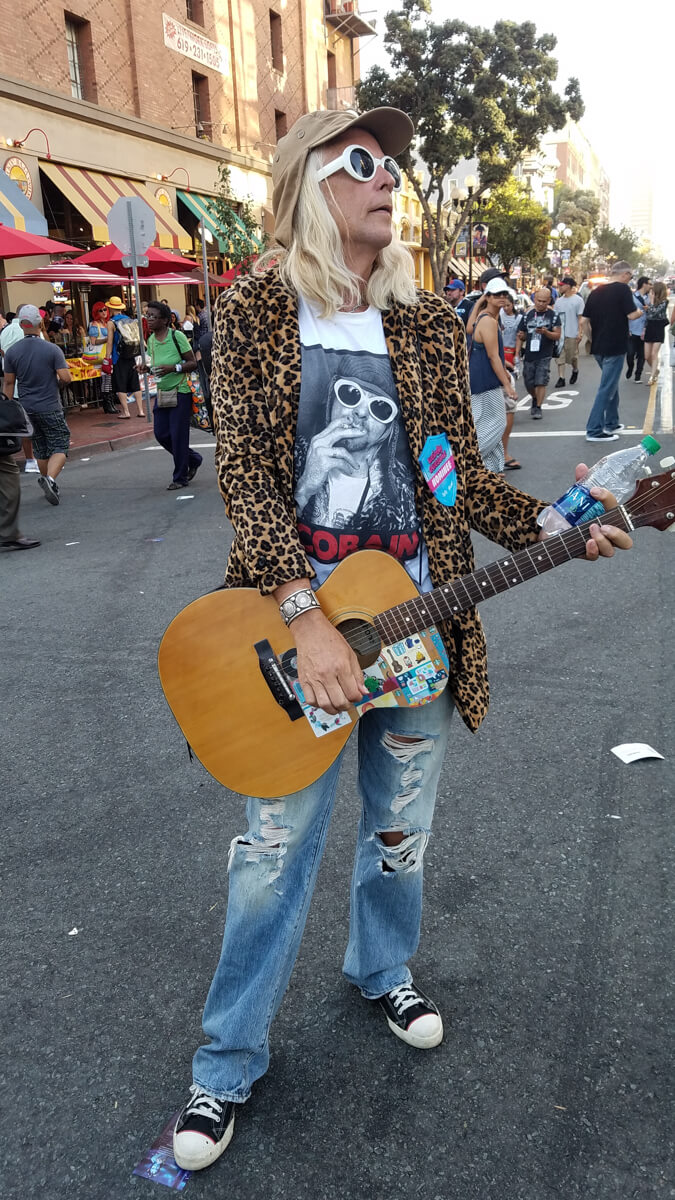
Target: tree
(471,93)
(617,244)
(518,227)
(237,221)
(579,209)
(651,260)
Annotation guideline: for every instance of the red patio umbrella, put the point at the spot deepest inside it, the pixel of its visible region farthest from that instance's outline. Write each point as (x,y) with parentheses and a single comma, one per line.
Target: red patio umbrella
(170,280)
(14,243)
(161,262)
(66,272)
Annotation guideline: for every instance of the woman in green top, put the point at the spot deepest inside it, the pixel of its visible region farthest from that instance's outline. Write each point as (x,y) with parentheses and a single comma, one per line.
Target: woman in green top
(172,357)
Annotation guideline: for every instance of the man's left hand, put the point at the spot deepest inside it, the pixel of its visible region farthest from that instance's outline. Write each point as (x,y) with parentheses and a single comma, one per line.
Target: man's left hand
(605,539)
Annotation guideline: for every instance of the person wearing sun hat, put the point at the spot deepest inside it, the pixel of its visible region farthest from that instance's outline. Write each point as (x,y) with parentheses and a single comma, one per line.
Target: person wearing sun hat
(122,358)
(343,422)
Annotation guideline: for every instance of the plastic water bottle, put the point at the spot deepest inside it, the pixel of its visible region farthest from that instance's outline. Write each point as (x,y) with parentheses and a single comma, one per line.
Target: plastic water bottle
(618,472)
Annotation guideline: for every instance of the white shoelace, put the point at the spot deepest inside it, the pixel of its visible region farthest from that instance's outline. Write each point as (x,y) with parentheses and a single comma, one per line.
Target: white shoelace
(203,1105)
(404,997)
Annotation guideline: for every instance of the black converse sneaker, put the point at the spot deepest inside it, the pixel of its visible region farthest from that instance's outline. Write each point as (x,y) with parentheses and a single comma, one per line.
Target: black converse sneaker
(203,1130)
(412,1016)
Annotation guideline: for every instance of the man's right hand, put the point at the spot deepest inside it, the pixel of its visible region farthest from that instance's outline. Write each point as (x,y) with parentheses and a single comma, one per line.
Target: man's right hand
(328,451)
(328,669)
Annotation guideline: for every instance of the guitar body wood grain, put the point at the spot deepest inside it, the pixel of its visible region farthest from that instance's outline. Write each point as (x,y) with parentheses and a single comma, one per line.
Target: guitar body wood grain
(210,673)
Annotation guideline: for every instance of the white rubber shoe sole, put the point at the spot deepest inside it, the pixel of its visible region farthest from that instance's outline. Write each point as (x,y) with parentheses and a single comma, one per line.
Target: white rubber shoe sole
(424,1033)
(194,1151)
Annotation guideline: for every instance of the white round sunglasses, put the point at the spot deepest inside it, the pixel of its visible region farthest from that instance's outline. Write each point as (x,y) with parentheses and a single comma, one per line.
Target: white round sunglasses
(361,165)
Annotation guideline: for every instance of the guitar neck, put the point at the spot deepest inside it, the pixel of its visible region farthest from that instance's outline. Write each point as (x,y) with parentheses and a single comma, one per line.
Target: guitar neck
(446,601)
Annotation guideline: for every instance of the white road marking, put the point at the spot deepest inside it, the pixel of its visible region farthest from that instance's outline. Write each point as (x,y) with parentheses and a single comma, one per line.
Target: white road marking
(533,433)
(193,446)
(666,424)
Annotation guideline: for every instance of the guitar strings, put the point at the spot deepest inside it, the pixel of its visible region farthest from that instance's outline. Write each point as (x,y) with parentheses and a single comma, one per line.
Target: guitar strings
(361,641)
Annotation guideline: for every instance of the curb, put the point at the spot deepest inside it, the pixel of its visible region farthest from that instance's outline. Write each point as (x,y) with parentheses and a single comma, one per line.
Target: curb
(120,443)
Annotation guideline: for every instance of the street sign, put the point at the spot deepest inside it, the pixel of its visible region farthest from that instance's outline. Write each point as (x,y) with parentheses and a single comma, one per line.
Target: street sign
(132,226)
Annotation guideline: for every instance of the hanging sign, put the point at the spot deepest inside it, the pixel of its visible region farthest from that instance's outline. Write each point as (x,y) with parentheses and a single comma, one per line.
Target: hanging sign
(185,41)
(480,236)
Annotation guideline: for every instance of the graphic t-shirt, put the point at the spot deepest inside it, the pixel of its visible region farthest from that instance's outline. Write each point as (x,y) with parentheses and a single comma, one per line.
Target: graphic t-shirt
(354,476)
(606,309)
(536,345)
(570,308)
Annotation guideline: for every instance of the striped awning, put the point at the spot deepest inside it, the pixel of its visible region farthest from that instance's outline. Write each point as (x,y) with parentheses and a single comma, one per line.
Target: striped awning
(16,210)
(202,208)
(93,194)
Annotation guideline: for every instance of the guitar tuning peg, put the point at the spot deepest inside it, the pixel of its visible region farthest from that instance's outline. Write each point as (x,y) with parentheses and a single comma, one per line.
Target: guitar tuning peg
(667,462)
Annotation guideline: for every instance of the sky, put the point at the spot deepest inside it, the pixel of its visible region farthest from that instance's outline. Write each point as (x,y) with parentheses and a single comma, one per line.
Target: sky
(624,67)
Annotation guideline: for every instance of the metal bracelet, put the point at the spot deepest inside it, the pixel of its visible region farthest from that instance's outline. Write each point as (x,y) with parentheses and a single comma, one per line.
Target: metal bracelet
(296,604)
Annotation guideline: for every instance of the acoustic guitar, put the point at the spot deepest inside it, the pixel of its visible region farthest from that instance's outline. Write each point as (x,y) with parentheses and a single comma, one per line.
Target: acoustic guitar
(228,668)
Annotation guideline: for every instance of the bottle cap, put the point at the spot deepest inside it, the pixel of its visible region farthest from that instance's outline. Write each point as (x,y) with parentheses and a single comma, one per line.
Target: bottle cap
(650,444)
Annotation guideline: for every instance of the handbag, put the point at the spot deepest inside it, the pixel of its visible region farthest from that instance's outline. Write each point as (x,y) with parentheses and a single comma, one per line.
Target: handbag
(167,398)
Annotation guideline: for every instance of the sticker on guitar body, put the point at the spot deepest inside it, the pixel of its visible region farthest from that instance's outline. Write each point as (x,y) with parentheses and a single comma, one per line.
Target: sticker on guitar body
(406,674)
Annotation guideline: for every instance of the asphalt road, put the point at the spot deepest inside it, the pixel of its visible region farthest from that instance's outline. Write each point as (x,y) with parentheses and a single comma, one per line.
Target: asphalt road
(547,937)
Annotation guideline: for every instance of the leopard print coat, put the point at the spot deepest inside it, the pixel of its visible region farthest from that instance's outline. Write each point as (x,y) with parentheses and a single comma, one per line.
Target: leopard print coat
(255,386)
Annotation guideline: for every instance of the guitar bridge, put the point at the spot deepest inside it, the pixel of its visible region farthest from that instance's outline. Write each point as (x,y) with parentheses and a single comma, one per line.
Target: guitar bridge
(278,684)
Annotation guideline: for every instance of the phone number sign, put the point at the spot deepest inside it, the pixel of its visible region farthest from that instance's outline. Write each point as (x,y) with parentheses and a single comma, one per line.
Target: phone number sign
(185,41)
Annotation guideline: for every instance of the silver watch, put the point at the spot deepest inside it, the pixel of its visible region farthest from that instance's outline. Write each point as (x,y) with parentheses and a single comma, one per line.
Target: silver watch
(296,604)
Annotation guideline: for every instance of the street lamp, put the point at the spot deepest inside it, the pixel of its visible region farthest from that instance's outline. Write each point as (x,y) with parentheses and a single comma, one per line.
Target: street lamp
(460,197)
(561,234)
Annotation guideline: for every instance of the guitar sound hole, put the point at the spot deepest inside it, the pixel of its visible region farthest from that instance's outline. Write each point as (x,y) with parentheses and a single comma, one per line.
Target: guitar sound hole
(363,639)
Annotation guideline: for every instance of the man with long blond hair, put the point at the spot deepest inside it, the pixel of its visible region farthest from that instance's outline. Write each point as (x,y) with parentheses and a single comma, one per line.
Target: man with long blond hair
(338,389)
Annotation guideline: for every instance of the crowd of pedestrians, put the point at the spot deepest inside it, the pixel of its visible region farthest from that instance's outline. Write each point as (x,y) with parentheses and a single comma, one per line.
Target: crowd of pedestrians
(34,345)
(620,323)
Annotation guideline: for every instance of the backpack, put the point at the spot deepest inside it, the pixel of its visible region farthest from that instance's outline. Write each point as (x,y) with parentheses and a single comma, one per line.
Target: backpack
(128,334)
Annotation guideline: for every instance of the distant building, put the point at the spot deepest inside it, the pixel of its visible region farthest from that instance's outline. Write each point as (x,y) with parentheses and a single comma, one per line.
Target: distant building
(538,171)
(578,164)
(641,218)
(148,98)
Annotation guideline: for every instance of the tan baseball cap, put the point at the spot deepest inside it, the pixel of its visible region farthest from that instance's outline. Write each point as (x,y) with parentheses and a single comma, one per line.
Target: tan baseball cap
(392,128)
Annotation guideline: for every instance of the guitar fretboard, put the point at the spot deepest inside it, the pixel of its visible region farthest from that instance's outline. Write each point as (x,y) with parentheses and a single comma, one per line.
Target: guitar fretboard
(447,601)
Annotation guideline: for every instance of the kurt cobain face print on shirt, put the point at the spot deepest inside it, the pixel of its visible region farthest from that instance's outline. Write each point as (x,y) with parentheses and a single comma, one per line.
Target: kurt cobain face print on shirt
(354,481)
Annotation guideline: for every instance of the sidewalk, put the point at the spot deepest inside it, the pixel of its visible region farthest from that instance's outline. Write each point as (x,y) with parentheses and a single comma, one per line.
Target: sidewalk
(93,431)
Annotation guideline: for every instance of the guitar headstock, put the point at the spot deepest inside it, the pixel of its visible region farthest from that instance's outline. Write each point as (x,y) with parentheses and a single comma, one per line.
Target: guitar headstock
(653,502)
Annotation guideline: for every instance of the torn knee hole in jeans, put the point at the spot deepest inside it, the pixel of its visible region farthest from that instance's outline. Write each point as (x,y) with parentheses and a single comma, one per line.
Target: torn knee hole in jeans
(405,750)
(405,855)
(269,844)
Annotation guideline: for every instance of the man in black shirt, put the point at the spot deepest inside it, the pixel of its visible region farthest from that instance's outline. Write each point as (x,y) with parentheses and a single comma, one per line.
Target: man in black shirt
(604,320)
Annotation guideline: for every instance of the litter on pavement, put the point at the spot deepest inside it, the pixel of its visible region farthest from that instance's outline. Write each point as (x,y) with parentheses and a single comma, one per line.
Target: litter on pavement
(158,1162)
(630,752)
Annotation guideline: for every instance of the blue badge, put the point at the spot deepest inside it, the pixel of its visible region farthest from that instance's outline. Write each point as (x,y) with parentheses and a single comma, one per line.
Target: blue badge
(438,467)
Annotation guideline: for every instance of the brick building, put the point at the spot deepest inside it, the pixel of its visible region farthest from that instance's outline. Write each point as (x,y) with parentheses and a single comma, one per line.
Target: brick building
(125,97)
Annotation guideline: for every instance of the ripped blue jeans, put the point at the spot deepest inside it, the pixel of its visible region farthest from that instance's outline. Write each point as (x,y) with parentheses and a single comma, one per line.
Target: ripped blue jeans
(272,872)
